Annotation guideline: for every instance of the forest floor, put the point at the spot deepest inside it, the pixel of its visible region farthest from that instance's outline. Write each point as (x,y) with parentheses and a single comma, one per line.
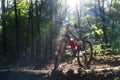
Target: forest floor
(101,68)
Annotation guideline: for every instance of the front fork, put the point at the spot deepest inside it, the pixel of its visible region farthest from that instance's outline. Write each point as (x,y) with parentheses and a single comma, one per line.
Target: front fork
(63,46)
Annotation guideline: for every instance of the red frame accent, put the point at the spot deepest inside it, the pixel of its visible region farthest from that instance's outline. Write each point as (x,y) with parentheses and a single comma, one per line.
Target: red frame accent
(72,44)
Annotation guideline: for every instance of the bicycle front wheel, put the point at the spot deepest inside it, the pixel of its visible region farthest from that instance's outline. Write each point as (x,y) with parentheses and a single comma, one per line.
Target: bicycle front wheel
(57,61)
(84,54)
(60,54)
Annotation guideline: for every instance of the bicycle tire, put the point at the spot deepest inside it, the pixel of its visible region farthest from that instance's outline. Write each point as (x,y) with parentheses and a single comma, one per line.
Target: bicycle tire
(82,57)
(60,54)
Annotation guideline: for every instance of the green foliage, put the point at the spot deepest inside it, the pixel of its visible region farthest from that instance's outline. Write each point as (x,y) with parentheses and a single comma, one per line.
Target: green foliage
(0,29)
(98,50)
(116,43)
(114,14)
(98,31)
(30,23)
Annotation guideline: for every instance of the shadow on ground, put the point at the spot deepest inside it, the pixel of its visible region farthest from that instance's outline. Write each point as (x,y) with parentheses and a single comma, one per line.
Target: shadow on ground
(82,75)
(35,73)
(18,75)
(59,75)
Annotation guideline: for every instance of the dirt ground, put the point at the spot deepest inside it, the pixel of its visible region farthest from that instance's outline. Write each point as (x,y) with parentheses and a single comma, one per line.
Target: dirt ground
(101,68)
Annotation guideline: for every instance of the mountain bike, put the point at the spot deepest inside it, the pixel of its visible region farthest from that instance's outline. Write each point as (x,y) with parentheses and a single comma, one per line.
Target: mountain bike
(81,48)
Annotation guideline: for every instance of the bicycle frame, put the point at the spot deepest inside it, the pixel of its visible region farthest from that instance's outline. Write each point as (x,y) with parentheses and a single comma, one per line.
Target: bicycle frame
(81,48)
(72,43)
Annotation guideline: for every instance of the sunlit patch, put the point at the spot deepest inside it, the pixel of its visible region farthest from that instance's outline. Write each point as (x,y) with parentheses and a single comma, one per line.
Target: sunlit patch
(0,27)
(72,3)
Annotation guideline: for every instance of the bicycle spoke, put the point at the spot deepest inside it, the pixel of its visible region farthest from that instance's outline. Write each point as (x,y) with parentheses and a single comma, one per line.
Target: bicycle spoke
(84,56)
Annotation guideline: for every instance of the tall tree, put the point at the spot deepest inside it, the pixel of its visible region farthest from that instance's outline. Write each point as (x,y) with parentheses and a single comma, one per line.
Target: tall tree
(38,24)
(78,11)
(17,29)
(4,36)
(32,28)
(51,24)
(101,4)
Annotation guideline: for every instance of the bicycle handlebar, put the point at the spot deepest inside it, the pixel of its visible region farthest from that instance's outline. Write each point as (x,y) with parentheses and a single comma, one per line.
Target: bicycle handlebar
(68,24)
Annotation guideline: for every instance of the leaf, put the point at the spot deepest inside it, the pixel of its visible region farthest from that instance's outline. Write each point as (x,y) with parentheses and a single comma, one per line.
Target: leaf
(94,26)
(99,31)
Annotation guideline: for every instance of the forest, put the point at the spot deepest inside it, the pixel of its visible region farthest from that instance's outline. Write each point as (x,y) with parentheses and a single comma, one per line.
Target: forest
(29,30)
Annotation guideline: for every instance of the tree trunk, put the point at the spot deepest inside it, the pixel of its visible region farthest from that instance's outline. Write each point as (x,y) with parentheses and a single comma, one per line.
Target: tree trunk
(38,22)
(32,29)
(78,15)
(17,29)
(104,22)
(4,37)
(51,24)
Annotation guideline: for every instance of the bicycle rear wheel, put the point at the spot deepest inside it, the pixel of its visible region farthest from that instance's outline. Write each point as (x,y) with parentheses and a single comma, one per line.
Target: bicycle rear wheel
(84,54)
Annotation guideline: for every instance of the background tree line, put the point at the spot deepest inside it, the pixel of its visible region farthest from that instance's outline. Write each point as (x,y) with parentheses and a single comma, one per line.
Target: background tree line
(28,28)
